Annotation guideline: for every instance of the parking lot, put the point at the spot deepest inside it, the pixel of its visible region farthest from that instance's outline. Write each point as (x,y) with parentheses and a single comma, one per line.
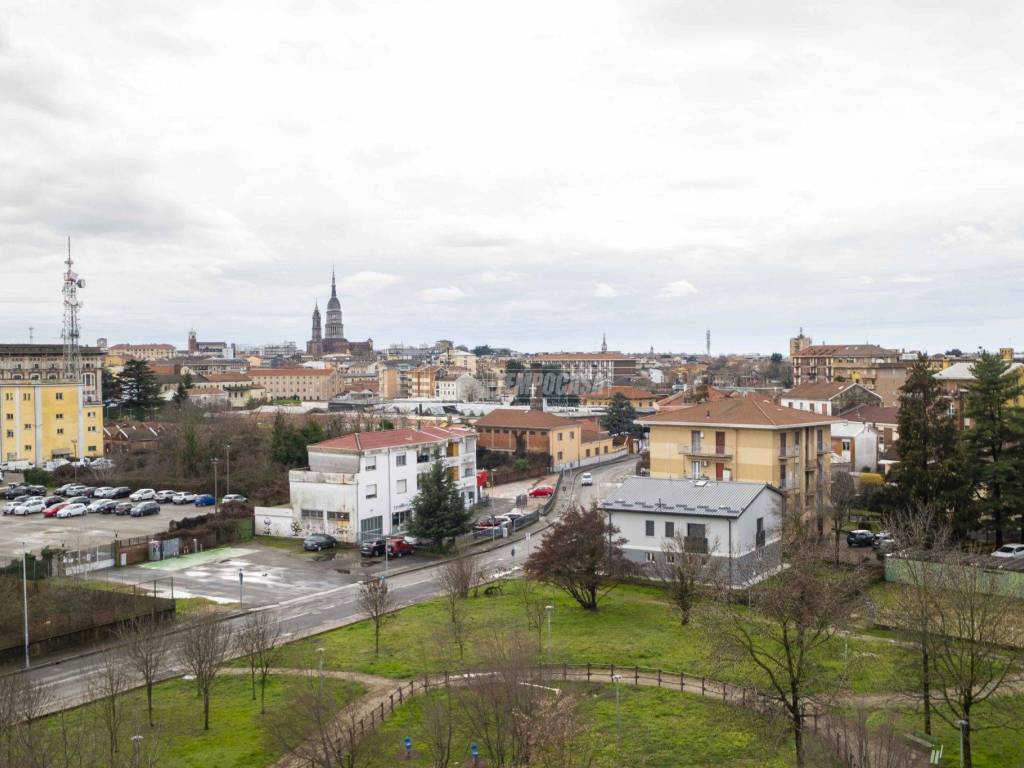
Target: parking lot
(35,532)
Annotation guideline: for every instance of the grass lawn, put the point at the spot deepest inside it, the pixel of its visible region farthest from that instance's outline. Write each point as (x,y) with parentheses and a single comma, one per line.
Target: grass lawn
(660,729)
(634,626)
(237,737)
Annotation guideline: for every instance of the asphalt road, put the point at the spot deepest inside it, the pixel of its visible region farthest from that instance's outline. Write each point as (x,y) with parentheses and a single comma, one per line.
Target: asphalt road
(314,613)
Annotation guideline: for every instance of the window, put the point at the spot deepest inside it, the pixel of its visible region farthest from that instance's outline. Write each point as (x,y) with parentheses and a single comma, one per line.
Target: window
(670,529)
(27,396)
(312,514)
(846,445)
(60,430)
(29,427)
(400,519)
(60,395)
(588,453)
(759,536)
(572,435)
(371,491)
(339,517)
(559,455)
(60,416)
(695,470)
(92,429)
(10,417)
(649,557)
(400,486)
(91,448)
(371,528)
(670,557)
(371,463)
(10,433)
(400,460)
(648,527)
(559,436)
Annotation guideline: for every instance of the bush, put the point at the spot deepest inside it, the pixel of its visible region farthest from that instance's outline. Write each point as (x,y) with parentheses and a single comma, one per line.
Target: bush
(872,479)
(37,476)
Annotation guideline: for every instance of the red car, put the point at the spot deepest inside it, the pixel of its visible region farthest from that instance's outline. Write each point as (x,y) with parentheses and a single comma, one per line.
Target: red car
(52,511)
(541,490)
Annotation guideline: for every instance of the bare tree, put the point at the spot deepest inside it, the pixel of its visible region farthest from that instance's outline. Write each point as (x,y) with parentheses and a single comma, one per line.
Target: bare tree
(787,633)
(259,640)
(309,726)
(146,648)
(535,607)
(841,494)
(437,727)
(377,602)
(688,573)
(855,743)
(558,737)
(460,573)
(107,686)
(977,644)
(923,541)
(203,649)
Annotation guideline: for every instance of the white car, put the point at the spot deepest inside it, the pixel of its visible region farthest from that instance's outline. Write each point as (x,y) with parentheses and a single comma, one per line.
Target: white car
(101,464)
(233,497)
(103,492)
(30,507)
(164,496)
(185,497)
(72,510)
(143,494)
(586,479)
(1007,550)
(10,506)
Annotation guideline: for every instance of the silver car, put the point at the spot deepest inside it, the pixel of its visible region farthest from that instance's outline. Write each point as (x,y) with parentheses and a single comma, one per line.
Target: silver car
(72,510)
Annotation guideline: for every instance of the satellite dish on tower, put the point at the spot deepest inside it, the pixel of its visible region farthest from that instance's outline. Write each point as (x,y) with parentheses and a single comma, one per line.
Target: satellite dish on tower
(81,282)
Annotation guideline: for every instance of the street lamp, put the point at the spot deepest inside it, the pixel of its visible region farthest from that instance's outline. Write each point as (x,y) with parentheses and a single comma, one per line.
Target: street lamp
(74,465)
(618,713)
(964,727)
(227,449)
(24,594)
(216,500)
(549,609)
(136,747)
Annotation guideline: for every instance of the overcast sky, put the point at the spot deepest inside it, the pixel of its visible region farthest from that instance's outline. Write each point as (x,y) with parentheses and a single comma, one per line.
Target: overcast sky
(520,173)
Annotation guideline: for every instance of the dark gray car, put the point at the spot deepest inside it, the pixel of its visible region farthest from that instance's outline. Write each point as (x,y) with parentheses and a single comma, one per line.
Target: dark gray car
(318,541)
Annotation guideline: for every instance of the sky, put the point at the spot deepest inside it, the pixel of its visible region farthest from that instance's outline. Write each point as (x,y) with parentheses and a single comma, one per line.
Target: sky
(526,174)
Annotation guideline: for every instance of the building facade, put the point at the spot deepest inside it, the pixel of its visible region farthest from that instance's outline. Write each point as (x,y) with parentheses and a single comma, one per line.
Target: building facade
(744,439)
(125,352)
(736,523)
(841,362)
(304,383)
(43,420)
(45,362)
(595,369)
(361,486)
(640,399)
(831,399)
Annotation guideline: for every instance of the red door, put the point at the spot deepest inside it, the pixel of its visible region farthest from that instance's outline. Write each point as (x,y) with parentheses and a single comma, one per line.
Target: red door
(719,470)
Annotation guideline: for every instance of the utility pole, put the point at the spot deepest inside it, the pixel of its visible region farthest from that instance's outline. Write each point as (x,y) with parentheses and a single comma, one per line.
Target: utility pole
(24,595)
(216,501)
(228,481)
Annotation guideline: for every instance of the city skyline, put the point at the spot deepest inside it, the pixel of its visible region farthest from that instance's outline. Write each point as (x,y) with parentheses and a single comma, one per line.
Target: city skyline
(644,172)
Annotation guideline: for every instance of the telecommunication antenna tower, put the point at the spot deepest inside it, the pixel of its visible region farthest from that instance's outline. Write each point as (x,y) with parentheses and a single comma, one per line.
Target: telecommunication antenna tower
(70,331)
(707,337)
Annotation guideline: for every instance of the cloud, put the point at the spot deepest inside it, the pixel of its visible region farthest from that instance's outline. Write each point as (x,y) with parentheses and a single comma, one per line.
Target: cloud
(909,278)
(437,295)
(605,291)
(678,289)
(367,281)
(499,277)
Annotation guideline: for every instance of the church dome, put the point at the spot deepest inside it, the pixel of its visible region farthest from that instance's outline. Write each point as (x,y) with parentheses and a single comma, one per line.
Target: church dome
(333,303)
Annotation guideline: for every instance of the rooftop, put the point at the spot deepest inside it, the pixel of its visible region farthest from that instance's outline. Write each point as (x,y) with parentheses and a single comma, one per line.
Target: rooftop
(824,390)
(541,356)
(708,498)
(850,350)
(754,412)
(632,393)
(962,371)
(391,438)
(516,419)
(875,414)
(291,371)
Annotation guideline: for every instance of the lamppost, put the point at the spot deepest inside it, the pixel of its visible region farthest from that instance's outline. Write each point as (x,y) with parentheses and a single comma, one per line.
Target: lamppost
(320,666)
(549,609)
(241,586)
(24,594)
(216,500)
(964,726)
(227,481)
(74,465)
(618,713)
(136,748)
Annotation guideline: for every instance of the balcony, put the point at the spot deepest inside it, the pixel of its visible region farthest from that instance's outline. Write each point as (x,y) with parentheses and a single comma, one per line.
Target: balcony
(789,452)
(788,485)
(705,452)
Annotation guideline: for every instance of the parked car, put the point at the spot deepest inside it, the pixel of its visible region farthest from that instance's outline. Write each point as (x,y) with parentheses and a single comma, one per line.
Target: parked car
(586,479)
(52,511)
(102,506)
(395,546)
(10,506)
(883,541)
(15,491)
(121,492)
(51,500)
(144,508)
(63,490)
(234,497)
(123,508)
(101,463)
(204,500)
(75,489)
(78,500)
(103,492)
(318,541)
(37,490)
(72,510)
(164,497)
(184,497)
(1009,550)
(860,538)
(87,490)
(541,490)
(31,507)
(143,494)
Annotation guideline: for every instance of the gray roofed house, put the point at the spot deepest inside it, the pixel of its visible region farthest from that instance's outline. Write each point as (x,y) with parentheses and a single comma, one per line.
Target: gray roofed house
(736,523)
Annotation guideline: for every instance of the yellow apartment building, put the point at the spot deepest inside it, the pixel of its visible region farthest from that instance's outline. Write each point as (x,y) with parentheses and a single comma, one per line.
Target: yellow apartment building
(746,439)
(43,420)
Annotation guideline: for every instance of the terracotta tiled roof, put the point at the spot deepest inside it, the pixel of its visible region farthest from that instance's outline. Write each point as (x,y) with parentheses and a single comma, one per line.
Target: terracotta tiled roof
(509,418)
(291,371)
(140,346)
(740,411)
(820,390)
(874,414)
(632,393)
(227,378)
(579,356)
(390,438)
(684,399)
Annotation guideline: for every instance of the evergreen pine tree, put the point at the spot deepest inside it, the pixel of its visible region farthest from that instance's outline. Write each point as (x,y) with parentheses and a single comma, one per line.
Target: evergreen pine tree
(930,472)
(438,511)
(995,441)
(138,385)
(619,416)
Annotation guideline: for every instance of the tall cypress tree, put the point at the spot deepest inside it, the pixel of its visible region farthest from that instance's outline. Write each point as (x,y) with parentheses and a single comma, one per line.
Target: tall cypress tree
(930,471)
(995,441)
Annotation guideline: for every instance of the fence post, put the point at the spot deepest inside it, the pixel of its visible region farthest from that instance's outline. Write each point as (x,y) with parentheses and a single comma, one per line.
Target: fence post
(588,671)
(659,678)
(565,671)
(636,675)
(399,694)
(682,682)
(611,674)
(392,702)
(382,711)
(446,678)
(703,685)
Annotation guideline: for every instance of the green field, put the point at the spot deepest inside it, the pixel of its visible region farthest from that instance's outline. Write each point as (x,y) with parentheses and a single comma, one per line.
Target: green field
(634,626)
(660,729)
(237,738)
